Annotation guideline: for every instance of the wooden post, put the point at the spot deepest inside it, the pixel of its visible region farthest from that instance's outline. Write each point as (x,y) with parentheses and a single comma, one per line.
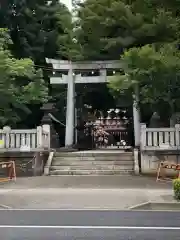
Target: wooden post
(143,136)
(39,137)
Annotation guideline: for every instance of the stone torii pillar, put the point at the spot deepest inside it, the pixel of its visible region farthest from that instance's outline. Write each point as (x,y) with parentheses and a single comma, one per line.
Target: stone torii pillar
(136,118)
(70,113)
(68,79)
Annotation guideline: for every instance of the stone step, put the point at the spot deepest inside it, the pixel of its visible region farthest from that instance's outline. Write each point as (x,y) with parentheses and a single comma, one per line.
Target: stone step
(94,158)
(71,158)
(98,162)
(93,167)
(56,162)
(93,154)
(91,172)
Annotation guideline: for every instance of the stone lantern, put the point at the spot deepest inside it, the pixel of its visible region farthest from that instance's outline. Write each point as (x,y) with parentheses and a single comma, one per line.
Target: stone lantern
(48,108)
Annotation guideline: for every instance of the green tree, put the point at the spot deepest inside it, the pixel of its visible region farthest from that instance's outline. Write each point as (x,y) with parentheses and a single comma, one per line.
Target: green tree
(156,72)
(20,84)
(38,29)
(106,27)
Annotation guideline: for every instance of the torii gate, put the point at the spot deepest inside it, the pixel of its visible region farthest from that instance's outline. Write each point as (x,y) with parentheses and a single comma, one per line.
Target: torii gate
(71,79)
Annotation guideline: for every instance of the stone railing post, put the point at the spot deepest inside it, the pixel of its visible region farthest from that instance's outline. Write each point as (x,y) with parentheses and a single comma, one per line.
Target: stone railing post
(46,141)
(177,130)
(2,139)
(39,137)
(6,130)
(143,136)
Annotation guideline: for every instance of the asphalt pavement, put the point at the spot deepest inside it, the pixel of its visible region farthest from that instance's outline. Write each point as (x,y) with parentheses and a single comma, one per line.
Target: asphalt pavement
(88,225)
(91,234)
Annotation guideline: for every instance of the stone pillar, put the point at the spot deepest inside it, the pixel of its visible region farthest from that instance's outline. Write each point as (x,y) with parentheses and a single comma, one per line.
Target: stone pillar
(69,135)
(136,161)
(6,137)
(75,124)
(39,138)
(136,118)
(46,136)
(38,164)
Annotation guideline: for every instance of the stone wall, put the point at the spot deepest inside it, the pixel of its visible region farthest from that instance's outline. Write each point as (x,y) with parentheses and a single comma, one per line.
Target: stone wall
(27,164)
(151,159)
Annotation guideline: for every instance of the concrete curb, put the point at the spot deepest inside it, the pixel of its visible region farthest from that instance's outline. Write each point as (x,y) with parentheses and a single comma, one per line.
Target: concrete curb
(5,206)
(89,191)
(139,205)
(136,207)
(48,163)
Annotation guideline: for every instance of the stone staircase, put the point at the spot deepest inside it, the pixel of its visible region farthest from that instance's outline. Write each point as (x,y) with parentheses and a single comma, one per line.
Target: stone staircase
(106,162)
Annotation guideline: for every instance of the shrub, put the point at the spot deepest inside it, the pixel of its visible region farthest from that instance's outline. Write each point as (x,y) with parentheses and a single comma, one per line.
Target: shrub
(176,188)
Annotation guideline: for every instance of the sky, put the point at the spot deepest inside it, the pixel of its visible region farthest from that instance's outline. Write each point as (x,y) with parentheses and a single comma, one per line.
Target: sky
(68,3)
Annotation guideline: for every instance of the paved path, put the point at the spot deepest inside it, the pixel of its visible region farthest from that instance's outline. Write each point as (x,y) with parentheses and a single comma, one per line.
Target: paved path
(99,182)
(112,192)
(88,225)
(81,198)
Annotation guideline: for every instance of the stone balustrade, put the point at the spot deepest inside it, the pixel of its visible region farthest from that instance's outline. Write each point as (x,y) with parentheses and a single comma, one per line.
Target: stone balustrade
(153,139)
(25,140)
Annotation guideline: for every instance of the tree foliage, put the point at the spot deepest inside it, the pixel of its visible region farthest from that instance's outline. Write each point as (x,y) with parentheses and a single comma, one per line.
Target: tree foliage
(137,31)
(106,27)
(142,33)
(156,71)
(20,83)
(39,29)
